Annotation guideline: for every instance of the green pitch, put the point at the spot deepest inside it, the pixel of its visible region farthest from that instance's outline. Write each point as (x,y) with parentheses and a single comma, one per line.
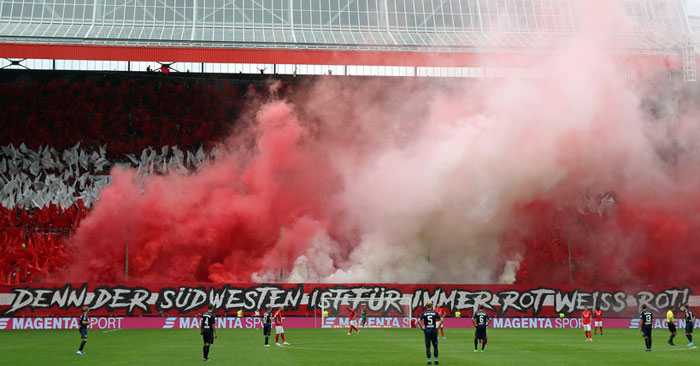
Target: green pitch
(334,347)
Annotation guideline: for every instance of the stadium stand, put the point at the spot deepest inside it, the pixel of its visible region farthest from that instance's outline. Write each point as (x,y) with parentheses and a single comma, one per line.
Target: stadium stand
(64,133)
(63,130)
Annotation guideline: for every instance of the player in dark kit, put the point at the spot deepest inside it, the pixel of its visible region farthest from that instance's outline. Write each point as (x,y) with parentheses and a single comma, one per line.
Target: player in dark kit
(481,321)
(83,323)
(645,319)
(689,321)
(267,325)
(208,330)
(431,321)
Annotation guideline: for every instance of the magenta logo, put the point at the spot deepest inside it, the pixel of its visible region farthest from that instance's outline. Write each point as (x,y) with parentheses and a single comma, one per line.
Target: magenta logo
(169,323)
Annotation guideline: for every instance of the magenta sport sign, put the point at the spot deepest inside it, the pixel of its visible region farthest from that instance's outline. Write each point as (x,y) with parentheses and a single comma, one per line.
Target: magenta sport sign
(178,305)
(309,300)
(108,323)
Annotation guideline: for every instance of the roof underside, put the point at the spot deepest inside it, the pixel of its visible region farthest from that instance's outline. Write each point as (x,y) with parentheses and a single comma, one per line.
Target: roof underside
(652,26)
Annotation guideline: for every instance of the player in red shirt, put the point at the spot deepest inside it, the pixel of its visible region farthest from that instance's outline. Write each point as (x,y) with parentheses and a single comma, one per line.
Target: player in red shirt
(598,314)
(586,321)
(442,313)
(353,324)
(279,330)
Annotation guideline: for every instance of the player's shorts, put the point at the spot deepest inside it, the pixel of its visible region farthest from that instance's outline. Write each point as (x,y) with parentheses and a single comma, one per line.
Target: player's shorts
(587,327)
(83,332)
(208,336)
(279,329)
(353,323)
(688,327)
(599,324)
(431,336)
(480,333)
(267,329)
(646,331)
(671,327)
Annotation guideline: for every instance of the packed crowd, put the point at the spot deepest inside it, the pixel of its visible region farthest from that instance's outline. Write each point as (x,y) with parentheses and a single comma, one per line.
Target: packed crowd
(62,134)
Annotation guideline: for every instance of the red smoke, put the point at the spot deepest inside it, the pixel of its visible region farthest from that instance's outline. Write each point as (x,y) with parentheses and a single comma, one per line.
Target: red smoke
(597,222)
(633,241)
(578,175)
(221,224)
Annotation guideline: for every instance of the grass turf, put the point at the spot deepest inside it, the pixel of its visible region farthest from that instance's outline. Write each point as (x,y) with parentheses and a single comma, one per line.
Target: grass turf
(335,347)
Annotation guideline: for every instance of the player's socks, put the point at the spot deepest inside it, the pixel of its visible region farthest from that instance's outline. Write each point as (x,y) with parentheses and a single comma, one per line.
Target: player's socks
(82,344)
(483,344)
(442,332)
(267,340)
(690,338)
(277,338)
(205,352)
(283,340)
(476,344)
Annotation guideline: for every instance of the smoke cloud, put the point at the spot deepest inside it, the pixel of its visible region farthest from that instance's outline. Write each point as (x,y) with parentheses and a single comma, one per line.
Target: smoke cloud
(577,175)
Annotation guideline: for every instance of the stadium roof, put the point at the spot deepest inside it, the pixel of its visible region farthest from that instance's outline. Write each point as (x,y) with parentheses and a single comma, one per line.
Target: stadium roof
(657,27)
(330,24)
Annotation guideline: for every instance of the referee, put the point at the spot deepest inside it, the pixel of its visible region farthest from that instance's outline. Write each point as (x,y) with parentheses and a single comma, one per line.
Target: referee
(670,321)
